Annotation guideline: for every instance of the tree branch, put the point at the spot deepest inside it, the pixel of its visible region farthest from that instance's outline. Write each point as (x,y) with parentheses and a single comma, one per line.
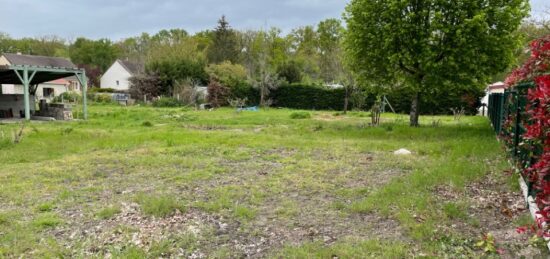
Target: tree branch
(406,69)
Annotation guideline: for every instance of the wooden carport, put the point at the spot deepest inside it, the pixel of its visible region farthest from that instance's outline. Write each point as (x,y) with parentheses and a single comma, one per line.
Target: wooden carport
(28,72)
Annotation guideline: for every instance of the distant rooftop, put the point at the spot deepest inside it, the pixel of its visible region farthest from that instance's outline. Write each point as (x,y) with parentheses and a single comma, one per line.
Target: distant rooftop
(131,67)
(40,61)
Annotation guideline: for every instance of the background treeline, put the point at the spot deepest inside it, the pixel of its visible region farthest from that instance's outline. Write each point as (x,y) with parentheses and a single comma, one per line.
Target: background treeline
(266,67)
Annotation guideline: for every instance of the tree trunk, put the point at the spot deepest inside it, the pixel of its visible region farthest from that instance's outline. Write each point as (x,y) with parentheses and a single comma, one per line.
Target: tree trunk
(262,96)
(415,110)
(346,101)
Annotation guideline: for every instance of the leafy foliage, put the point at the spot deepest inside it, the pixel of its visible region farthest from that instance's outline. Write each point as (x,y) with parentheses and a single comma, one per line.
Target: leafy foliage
(224,44)
(217,94)
(291,72)
(535,145)
(227,74)
(167,102)
(170,71)
(300,115)
(98,54)
(426,45)
(308,97)
(145,85)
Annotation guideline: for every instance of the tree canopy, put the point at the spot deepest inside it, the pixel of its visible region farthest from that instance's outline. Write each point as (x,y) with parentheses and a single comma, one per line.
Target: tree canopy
(224,45)
(432,45)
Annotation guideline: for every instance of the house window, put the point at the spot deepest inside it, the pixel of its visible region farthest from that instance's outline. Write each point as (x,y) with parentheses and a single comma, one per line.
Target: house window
(117,83)
(47,92)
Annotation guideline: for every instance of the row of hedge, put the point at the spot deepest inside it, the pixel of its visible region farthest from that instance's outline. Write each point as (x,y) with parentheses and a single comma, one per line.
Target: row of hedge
(309,97)
(524,113)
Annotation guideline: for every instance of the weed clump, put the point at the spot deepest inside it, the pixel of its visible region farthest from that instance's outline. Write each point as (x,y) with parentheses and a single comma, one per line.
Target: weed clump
(46,207)
(147,124)
(47,220)
(159,206)
(300,115)
(108,213)
(167,102)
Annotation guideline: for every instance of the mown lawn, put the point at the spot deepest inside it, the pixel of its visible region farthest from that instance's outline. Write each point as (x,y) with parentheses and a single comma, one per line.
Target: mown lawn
(140,181)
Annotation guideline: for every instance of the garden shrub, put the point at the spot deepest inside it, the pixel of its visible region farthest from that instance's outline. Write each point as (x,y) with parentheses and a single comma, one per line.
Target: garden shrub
(534,148)
(245,91)
(300,115)
(171,70)
(102,98)
(68,97)
(218,94)
(101,90)
(167,102)
(148,85)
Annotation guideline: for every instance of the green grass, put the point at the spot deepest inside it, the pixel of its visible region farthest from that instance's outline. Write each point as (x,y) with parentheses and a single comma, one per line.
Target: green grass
(159,206)
(455,211)
(236,177)
(108,212)
(47,220)
(300,115)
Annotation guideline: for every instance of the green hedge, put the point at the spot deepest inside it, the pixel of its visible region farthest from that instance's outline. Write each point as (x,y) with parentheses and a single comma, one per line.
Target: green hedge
(307,97)
(438,103)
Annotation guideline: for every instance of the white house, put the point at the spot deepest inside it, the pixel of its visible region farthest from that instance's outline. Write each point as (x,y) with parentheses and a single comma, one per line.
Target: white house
(495,88)
(118,75)
(47,90)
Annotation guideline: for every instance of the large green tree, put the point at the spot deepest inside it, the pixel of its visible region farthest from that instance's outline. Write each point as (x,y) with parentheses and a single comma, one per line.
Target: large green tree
(330,33)
(224,45)
(427,45)
(96,53)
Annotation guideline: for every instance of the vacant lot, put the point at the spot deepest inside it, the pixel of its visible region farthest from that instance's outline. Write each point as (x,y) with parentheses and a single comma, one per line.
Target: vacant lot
(178,183)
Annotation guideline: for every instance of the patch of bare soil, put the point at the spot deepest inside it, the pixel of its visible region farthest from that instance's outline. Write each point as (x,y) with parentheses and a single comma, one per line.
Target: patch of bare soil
(290,214)
(329,117)
(495,208)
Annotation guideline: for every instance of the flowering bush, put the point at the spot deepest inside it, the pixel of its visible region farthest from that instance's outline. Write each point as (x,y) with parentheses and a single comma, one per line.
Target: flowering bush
(535,144)
(536,65)
(538,135)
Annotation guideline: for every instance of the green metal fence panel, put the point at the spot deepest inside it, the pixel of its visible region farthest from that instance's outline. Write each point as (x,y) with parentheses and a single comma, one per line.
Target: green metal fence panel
(507,113)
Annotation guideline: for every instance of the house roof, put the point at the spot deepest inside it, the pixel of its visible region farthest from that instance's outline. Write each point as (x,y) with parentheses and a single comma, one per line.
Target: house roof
(40,61)
(131,67)
(497,85)
(61,81)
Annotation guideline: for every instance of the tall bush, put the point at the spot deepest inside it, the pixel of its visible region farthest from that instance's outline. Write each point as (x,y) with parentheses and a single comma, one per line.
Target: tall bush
(145,85)
(535,145)
(218,95)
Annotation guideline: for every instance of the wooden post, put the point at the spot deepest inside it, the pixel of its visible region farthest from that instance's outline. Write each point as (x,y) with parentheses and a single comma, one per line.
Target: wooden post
(26,94)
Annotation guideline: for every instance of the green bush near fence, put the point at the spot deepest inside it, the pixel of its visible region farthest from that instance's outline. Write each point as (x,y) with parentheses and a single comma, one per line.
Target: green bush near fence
(167,102)
(68,97)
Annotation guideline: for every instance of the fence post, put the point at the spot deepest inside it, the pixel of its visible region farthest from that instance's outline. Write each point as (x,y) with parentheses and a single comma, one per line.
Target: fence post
(517,129)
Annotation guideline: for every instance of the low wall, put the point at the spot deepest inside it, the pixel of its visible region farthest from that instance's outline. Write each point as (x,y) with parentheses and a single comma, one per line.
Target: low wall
(15,103)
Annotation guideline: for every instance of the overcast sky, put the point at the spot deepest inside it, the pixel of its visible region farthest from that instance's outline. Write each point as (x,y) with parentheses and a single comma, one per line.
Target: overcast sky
(116,19)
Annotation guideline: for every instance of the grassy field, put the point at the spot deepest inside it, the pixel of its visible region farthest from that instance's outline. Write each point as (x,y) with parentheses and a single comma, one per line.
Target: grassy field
(140,181)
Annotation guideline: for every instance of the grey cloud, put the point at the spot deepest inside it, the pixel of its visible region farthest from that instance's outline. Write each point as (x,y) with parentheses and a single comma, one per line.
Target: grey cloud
(117,19)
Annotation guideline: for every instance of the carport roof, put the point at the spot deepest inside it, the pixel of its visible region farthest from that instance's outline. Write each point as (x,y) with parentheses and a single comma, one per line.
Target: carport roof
(45,69)
(8,74)
(39,61)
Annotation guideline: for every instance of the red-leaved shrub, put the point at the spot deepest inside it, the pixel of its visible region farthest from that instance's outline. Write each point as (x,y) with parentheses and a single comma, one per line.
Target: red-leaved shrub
(535,141)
